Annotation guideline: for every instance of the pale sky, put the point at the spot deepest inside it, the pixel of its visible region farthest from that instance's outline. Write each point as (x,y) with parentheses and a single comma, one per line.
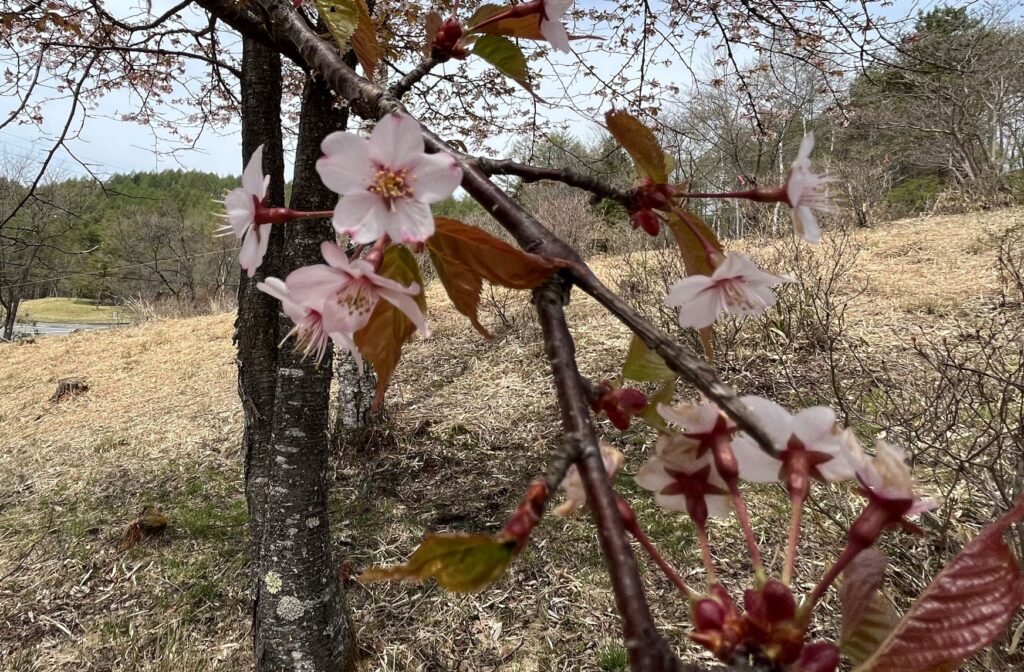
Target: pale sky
(112,146)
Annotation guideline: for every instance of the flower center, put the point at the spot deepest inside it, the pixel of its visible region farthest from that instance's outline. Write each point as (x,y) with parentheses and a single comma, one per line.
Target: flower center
(738,296)
(391,185)
(358,297)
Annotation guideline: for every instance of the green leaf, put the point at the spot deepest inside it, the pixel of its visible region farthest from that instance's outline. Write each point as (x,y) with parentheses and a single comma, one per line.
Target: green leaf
(640,143)
(644,364)
(381,340)
(459,562)
(663,395)
(504,55)
(341,17)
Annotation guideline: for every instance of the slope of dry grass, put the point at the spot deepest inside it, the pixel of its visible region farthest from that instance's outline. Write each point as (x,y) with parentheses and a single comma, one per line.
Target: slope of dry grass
(472,423)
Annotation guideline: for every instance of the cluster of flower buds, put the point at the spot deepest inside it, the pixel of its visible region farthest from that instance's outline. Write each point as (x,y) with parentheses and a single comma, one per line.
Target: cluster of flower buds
(648,197)
(448,43)
(620,404)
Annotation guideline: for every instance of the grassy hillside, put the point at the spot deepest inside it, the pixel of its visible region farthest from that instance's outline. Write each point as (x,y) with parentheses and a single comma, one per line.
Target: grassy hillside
(472,422)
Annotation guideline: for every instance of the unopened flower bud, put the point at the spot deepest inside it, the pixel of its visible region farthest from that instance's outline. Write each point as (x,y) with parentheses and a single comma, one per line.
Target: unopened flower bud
(780,605)
(646,220)
(818,657)
(708,614)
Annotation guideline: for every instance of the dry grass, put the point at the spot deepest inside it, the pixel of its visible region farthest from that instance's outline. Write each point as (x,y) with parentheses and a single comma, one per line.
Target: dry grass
(472,422)
(75,311)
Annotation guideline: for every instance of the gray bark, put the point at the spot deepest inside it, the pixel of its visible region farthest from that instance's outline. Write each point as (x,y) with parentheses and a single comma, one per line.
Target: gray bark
(354,398)
(301,603)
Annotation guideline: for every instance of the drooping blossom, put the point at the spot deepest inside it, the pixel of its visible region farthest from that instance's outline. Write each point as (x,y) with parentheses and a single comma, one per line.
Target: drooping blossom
(807,191)
(682,481)
(701,425)
(345,292)
(551,24)
(386,182)
(310,336)
(736,286)
(887,480)
(242,205)
(810,441)
(572,483)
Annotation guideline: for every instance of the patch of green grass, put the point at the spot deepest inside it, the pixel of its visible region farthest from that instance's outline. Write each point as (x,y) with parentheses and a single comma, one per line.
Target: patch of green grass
(612,658)
(62,309)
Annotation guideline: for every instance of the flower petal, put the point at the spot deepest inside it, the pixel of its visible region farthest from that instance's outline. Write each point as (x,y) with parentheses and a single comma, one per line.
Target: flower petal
(652,475)
(241,210)
(254,246)
(335,256)
(311,286)
(805,224)
(411,222)
(702,310)
(345,342)
(407,305)
(683,291)
(362,216)
(555,33)
(345,167)
(434,177)
(756,465)
(396,141)
(776,421)
(252,176)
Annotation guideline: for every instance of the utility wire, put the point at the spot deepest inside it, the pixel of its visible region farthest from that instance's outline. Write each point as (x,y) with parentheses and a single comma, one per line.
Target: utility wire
(118,268)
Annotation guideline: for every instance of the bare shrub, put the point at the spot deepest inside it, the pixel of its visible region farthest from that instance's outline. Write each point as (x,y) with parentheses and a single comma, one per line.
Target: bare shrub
(148,309)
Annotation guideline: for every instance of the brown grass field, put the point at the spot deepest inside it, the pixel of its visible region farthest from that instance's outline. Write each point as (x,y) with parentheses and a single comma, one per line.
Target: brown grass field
(470,423)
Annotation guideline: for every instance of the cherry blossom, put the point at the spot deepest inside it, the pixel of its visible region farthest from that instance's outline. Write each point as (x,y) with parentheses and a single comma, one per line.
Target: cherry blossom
(345,292)
(551,24)
(736,286)
(386,182)
(682,481)
(806,192)
(310,336)
(242,206)
(812,437)
(572,483)
(701,424)
(887,479)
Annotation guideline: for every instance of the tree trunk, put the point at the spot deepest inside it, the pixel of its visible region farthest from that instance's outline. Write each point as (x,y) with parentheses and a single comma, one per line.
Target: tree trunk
(355,396)
(10,316)
(256,328)
(301,602)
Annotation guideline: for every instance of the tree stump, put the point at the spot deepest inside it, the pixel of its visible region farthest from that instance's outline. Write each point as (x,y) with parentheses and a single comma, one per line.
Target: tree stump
(69,387)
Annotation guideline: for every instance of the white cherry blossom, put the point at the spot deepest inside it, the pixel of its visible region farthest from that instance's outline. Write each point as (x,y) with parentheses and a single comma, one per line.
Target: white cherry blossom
(736,286)
(386,182)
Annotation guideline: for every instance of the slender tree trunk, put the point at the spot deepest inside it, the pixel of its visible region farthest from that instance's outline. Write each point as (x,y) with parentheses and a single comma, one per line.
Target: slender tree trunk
(256,328)
(301,600)
(355,396)
(10,316)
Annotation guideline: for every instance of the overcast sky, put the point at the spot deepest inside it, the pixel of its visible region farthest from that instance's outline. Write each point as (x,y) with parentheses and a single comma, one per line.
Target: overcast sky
(112,146)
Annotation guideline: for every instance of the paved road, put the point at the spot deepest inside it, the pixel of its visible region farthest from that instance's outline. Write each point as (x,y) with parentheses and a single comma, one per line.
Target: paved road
(57,329)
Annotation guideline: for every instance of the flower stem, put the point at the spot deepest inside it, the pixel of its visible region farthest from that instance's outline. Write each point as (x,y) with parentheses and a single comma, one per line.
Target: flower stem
(748,530)
(853,548)
(794,536)
(633,527)
(760,194)
(705,551)
(714,256)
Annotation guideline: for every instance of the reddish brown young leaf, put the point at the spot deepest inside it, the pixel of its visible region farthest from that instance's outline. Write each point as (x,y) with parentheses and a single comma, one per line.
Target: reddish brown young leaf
(433,22)
(381,340)
(640,143)
(464,256)
(463,287)
(964,609)
(868,616)
(526,27)
(695,257)
(459,562)
(364,41)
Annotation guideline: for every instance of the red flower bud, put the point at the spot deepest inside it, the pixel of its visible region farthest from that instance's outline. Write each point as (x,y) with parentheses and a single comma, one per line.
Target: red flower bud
(780,605)
(708,614)
(619,404)
(646,220)
(818,657)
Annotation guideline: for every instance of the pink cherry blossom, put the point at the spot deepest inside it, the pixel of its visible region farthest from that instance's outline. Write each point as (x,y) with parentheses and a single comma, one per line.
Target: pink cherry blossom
(887,478)
(806,192)
(386,182)
(572,483)
(551,24)
(345,292)
(812,436)
(241,205)
(682,481)
(736,286)
(701,424)
(310,336)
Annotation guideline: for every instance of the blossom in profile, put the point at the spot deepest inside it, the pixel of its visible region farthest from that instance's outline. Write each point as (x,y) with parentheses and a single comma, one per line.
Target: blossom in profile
(811,441)
(311,338)
(572,483)
(886,480)
(736,286)
(242,205)
(386,182)
(807,191)
(345,292)
(551,23)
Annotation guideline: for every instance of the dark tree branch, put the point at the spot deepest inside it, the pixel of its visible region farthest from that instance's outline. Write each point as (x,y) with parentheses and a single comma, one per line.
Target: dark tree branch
(410,79)
(528,173)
